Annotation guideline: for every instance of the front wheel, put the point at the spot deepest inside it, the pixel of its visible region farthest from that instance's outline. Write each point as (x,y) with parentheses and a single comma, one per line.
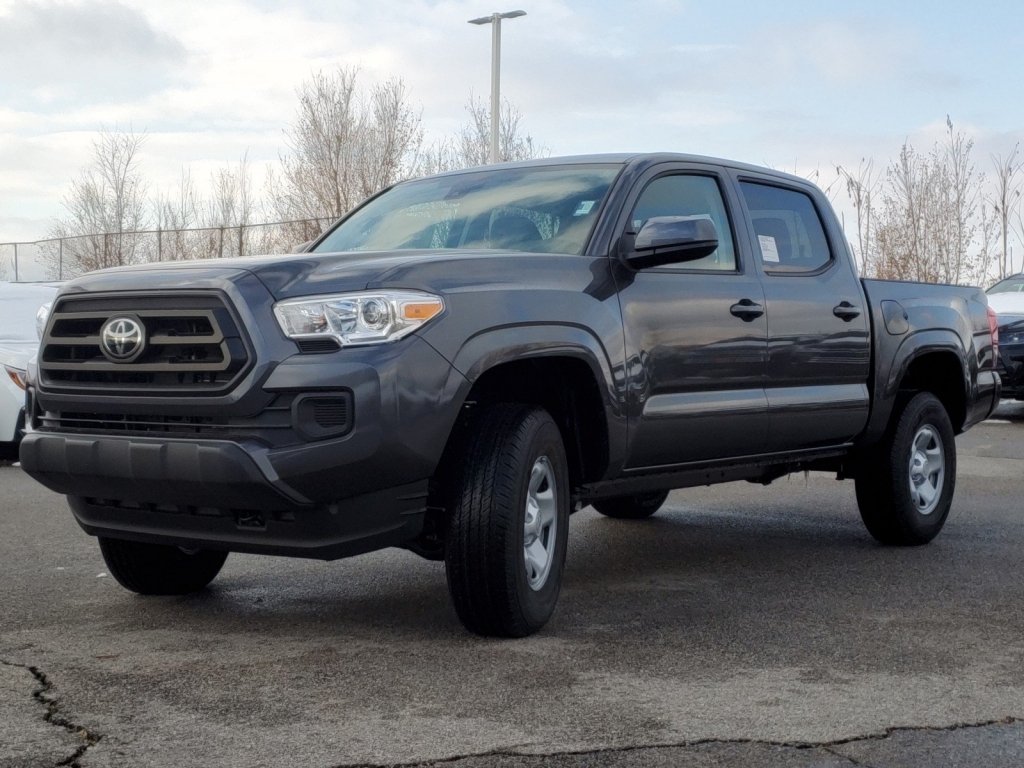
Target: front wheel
(905,489)
(160,569)
(508,521)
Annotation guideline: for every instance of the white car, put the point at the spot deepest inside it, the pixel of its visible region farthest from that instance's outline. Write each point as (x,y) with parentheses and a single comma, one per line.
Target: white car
(1007,296)
(20,304)
(1007,299)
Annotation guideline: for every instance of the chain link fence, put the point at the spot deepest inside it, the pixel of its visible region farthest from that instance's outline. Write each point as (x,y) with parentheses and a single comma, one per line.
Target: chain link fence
(61,258)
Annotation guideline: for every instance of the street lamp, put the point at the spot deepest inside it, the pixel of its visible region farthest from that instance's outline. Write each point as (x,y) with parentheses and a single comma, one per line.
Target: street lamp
(495,20)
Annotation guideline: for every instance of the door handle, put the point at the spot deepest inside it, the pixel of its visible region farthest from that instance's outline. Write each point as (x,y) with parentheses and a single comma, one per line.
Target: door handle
(846,311)
(746,310)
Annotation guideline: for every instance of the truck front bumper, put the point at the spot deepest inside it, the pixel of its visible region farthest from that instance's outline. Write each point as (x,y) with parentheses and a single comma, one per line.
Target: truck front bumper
(309,495)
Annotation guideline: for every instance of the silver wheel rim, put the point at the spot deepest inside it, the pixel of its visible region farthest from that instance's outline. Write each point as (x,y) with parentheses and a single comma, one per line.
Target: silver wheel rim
(541,523)
(927,469)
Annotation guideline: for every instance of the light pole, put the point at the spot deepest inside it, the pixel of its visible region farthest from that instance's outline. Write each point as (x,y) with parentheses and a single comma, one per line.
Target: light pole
(495,20)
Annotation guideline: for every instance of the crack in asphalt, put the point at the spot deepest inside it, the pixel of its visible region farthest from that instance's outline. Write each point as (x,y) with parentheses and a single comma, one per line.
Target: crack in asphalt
(827,746)
(42,694)
(847,758)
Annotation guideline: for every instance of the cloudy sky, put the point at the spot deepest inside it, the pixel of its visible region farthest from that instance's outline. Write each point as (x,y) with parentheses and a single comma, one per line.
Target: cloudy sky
(793,84)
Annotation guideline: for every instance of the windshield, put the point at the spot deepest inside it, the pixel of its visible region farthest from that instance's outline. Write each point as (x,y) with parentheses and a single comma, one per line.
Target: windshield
(548,210)
(1009,285)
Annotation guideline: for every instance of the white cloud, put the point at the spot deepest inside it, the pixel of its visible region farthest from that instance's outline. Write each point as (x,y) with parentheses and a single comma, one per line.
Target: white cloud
(71,53)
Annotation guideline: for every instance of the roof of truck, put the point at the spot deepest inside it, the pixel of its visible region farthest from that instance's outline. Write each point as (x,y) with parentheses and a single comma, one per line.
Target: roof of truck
(644,158)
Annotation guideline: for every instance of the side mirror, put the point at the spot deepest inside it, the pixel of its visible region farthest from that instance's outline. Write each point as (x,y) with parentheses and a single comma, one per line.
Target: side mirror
(672,240)
(303,247)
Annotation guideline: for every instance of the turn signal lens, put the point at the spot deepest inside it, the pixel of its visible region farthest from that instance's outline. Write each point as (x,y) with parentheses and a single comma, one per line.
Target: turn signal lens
(421,310)
(17,376)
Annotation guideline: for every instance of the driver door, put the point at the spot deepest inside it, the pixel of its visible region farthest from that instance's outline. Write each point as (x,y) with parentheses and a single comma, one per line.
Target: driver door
(696,335)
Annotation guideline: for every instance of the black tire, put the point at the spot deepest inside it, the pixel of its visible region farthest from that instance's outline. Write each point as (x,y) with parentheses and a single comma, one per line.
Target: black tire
(485,538)
(892,511)
(635,507)
(158,569)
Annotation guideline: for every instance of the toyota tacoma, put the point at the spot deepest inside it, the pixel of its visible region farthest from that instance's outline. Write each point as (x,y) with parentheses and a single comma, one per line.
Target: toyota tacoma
(464,360)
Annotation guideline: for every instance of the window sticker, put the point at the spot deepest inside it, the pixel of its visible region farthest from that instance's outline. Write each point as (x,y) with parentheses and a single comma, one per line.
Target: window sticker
(769,251)
(585,207)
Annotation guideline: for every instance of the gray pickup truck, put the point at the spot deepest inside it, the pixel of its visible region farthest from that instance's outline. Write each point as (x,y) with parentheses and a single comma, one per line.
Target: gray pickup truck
(466,359)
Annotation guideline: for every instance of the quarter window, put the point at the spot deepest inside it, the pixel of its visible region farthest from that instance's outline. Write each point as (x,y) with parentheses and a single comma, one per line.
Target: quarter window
(790,237)
(695,196)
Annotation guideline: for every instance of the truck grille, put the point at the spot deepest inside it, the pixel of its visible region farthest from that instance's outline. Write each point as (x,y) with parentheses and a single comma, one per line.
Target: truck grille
(272,425)
(284,419)
(191,343)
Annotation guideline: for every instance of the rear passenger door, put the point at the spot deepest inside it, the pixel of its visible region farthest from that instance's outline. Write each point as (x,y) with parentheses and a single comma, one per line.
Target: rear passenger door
(818,335)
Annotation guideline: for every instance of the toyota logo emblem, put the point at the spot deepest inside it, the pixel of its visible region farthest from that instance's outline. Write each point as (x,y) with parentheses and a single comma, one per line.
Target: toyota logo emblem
(122,339)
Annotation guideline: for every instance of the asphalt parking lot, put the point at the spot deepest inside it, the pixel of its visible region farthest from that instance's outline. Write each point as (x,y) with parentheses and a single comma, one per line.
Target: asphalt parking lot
(741,626)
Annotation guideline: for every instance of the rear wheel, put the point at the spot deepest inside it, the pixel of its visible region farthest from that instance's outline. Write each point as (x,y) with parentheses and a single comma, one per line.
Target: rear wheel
(635,507)
(508,519)
(159,569)
(905,488)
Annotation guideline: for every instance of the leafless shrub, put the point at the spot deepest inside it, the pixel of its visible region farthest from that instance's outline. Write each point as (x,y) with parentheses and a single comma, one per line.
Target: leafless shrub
(343,146)
(934,225)
(1005,202)
(108,197)
(862,189)
(472,146)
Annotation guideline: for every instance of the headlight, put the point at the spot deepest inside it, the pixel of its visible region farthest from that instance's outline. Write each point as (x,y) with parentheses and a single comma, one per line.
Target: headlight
(42,315)
(358,318)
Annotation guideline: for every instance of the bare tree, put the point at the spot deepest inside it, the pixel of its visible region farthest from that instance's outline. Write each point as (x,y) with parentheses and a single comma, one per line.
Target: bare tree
(472,146)
(1018,230)
(175,215)
(815,176)
(1005,202)
(862,188)
(109,198)
(232,203)
(989,242)
(390,139)
(476,137)
(223,224)
(230,210)
(934,225)
(343,146)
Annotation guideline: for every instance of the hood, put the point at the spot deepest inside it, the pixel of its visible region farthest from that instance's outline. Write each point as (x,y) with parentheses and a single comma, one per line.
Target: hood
(158,276)
(16,353)
(310,274)
(1010,303)
(284,275)
(19,305)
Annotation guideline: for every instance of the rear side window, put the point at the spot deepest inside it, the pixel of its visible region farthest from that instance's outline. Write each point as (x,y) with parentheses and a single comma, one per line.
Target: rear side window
(790,236)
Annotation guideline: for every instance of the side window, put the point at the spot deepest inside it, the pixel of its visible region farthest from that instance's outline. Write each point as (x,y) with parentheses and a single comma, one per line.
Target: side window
(697,196)
(789,231)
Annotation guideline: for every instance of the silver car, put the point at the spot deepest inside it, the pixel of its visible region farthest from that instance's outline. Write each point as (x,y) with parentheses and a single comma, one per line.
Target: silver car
(20,305)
